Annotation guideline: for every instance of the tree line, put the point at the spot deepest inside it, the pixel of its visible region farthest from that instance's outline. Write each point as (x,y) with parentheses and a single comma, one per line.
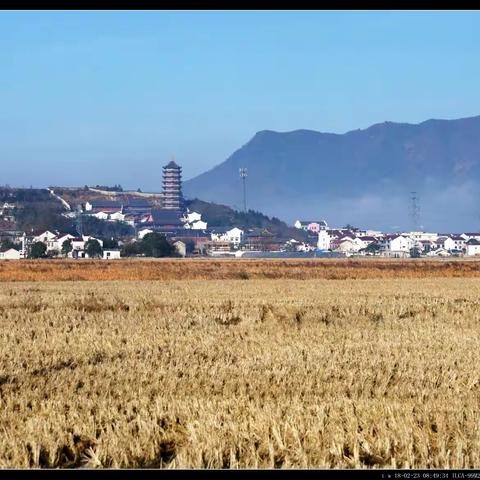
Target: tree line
(151,245)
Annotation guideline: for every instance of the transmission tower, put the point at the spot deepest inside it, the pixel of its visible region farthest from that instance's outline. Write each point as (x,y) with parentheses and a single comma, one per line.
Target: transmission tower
(415,211)
(243,176)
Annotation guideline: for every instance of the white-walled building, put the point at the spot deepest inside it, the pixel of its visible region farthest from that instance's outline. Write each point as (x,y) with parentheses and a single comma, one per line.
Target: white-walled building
(345,245)
(446,243)
(111,254)
(45,237)
(144,231)
(459,242)
(10,254)
(470,235)
(422,236)
(392,244)
(439,252)
(193,221)
(227,234)
(472,247)
(323,240)
(311,225)
(78,246)
(191,217)
(58,243)
(101,215)
(117,216)
(198,225)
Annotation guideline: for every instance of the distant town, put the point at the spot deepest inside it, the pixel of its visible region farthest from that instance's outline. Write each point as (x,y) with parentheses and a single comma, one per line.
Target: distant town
(106,222)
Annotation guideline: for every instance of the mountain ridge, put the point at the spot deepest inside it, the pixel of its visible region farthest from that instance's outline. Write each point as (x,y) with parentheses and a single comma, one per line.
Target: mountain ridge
(305,172)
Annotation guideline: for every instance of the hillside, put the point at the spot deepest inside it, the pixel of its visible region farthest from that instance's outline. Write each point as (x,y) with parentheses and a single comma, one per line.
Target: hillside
(223,216)
(361,177)
(38,209)
(34,209)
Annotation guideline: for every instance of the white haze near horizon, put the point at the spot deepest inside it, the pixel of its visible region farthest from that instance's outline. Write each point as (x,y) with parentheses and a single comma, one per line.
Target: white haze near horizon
(453,209)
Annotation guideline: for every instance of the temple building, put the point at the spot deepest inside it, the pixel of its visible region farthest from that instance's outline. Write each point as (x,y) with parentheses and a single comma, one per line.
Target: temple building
(172,187)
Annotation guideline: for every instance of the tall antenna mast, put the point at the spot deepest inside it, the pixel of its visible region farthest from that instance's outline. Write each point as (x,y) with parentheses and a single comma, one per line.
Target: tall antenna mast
(79,222)
(243,176)
(415,211)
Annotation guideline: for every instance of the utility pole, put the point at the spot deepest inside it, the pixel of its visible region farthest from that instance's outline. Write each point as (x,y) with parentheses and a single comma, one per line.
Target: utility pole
(243,176)
(415,210)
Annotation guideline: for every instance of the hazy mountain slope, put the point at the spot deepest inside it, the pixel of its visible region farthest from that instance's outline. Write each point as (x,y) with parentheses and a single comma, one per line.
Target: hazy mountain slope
(363,176)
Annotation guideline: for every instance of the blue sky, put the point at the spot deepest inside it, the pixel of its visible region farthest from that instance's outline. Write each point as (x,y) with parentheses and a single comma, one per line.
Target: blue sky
(109,97)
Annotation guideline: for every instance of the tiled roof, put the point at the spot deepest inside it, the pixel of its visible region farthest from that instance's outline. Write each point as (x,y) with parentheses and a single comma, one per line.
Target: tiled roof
(172,164)
(166,217)
(138,203)
(306,222)
(105,204)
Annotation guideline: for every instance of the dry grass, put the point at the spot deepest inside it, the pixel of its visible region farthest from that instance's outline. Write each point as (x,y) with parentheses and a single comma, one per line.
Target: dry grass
(206,268)
(231,373)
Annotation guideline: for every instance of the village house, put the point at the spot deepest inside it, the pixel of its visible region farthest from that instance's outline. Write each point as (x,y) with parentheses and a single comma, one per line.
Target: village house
(199,238)
(233,235)
(421,236)
(10,254)
(111,217)
(144,231)
(426,246)
(52,240)
(311,225)
(469,236)
(446,243)
(472,247)
(459,242)
(193,221)
(78,246)
(106,206)
(396,245)
(111,254)
(323,240)
(345,244)
(101,215)
(197,225)
(44,237)
(117,217)
(438,252)
(191,217)
(58,243)
(365,241)
(218,247)
(261,239)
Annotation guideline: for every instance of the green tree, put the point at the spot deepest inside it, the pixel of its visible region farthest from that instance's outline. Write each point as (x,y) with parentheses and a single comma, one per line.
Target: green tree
(39,250)
(132,249)
(373,248)
(109,243)
(156,245)
(93,248)
(67,247)
(8,244)
(415,252)
(190,246)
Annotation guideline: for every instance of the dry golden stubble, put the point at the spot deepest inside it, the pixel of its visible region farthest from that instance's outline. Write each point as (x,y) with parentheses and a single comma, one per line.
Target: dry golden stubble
(231,373)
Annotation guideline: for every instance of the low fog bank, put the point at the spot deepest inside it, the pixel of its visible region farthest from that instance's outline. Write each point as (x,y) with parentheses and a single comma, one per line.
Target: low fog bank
(452,209)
